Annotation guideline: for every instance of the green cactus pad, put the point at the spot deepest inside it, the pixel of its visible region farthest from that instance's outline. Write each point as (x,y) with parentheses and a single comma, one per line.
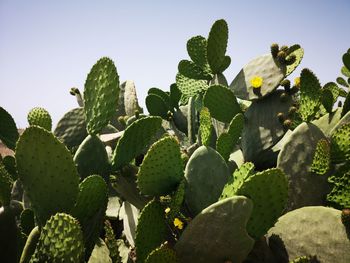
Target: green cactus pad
(27,221)
(131,103)
(225,64)
(161,169)
(9,163)
(227,141)
(334,89)
(221,103)
(269,192)
(47,171)
(218,233)
(321,161)
(298,52)
(61,240)
(206,174)
(217,44)
(8,130)
(328,121)
(156,106)
(345,71)
(151,230)
(111,241)
(91,158)
(265,67)
(101,95)
(205,126)
(327,100)
(71,129)
(346,60)
(346,107)
(164,95)
(262,128)
(340,181)
(313,230)
(40,117)
(190,87)
(90,209)
(340,144)
(162,254)
(310,95)
(175,95)
(295,160)
(135,138)
(190,70)
(6,184)
(236,181)
(197,50)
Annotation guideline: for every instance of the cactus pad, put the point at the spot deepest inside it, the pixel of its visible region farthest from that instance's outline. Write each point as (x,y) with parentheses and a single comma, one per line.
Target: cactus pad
(40,117)
(218,233)
(47,171)
(131,103)
(6,184)
(90,209)
(205,126)
(162,169)
(162,254)
(206,174)
(91,157)
(265,67)
(135,138)
(190,70)
(8,130)
(295,160)
(221,103)
(197,50)
(190,87)
(340,181)
(321,161)
(71,129)
(156,106)
(151,230)
(298,52)
(340,144)
(217,44)
(61,240)
(313,230)
(101,95)
(310,95)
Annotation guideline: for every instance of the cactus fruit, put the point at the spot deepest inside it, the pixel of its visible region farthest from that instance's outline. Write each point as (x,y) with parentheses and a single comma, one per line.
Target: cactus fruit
(218,233)
(135,138)
(8,130)
(305,230)
(61,240)
(274,50)
(161,170)
(100,94)
(48,173)
(206,174)
(40,117)
(151,230)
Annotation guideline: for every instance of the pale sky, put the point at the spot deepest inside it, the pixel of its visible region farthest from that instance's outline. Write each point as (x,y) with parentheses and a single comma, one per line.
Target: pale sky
(47,47)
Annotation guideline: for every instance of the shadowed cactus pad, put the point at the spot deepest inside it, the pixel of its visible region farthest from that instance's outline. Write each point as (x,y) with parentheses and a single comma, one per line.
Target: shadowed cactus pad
(40,117)
(221,103)
(101,95)
(340,181)
(340,144)
(61,240)
(6,183)
(313,230)
(8,130)
(162,168)
(47,171)
(265,67)
(163,254)
(134,140)
(151,230)
(218,233)
(206,174)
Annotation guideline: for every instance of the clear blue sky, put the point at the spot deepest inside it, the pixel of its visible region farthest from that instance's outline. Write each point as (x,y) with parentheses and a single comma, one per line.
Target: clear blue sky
(47,47)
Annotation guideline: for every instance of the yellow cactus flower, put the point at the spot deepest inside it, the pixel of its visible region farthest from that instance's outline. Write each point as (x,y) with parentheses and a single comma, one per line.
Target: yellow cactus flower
(178,223)
(167,210)
(256,82)
(297,81)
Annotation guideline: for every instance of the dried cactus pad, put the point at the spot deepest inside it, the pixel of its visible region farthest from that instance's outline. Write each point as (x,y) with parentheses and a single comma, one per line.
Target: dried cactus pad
(101,95)
(162,168)
(61,240)
(313,230)
(218,233)
(47,171)
(265,67)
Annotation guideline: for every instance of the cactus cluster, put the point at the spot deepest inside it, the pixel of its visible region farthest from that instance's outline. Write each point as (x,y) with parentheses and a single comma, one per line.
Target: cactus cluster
(257,170)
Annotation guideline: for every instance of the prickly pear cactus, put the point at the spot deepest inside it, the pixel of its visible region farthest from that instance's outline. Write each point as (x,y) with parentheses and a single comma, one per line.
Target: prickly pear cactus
(40,117)
(8,130)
